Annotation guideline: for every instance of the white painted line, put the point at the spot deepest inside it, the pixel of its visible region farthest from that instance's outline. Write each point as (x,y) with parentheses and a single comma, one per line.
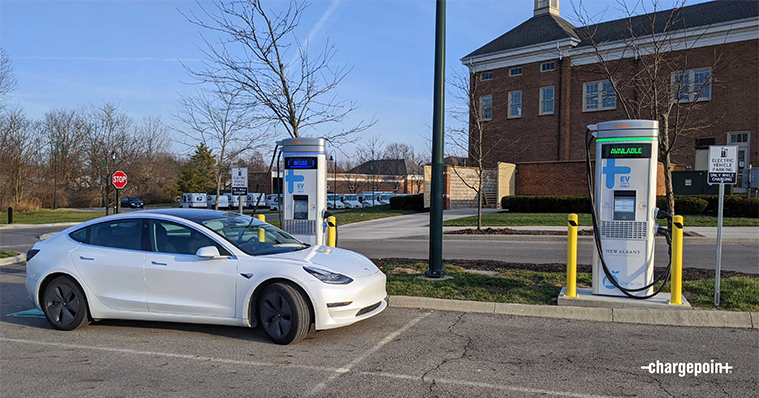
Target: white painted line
(353,363)
(336,371)
(170,355)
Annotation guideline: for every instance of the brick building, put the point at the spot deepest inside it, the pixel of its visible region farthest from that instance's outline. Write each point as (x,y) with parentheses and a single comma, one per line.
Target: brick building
(539,84)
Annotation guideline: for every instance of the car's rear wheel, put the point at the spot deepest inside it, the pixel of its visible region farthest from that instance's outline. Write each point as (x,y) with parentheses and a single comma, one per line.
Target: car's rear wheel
(284,314)
(64,304)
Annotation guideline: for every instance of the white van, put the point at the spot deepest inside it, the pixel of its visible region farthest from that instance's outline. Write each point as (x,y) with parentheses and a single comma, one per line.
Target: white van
(334,202)
(252,199)
(234,200)
(223,202)
(351,201)
(272,201)
(190,200)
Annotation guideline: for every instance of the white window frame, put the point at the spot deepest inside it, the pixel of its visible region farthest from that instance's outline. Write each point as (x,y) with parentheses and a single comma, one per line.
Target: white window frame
(600,96)
(482,76)
(691,84)
(521,104)
(542,70)
(542,100)
(482,108)
(511,71)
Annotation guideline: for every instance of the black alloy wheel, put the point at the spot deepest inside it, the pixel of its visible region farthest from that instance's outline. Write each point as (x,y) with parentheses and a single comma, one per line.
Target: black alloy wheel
(64,304)
(284,314)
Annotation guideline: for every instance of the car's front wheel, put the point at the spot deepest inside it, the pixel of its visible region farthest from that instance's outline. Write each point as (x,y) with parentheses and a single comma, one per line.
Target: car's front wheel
(64,304)
(284,314)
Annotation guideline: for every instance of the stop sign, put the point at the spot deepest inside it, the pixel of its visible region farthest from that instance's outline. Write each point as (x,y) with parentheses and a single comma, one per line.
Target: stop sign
(119,179)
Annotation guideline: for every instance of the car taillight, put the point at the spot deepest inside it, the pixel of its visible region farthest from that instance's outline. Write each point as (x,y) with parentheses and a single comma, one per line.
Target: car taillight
(31,253)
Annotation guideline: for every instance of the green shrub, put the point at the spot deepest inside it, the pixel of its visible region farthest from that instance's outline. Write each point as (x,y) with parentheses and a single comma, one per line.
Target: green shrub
(684,204)
(410,202)
(546,203)
(734,205)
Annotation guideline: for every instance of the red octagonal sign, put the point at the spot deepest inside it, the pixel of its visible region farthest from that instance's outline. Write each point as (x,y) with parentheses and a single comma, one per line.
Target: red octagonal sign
(119,179)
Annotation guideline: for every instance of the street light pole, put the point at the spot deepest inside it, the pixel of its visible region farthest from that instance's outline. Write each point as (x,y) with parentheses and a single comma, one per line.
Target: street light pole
(436,207)
(334,190)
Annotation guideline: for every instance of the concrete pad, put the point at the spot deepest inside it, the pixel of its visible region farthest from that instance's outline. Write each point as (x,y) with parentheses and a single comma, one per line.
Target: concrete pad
(441,304)
(755,320)
(588,299)
(725,319)
(550,311)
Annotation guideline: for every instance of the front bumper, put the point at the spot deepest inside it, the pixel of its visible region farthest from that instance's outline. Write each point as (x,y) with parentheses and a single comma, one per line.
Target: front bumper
(366,293)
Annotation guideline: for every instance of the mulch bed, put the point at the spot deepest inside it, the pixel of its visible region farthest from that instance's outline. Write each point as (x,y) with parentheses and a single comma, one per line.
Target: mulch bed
(689,274)
(510,231)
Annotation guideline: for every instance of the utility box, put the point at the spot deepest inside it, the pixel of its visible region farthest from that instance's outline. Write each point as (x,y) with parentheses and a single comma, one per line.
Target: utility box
(693,182)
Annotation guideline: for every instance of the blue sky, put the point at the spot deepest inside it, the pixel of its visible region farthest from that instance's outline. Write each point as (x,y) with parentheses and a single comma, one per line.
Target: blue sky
(73,53)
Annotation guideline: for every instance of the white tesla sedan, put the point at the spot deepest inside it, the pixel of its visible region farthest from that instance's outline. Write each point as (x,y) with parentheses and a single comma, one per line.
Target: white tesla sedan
(200,266)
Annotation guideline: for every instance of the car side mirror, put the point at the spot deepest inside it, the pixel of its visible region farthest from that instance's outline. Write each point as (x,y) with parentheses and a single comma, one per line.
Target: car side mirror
(208,252)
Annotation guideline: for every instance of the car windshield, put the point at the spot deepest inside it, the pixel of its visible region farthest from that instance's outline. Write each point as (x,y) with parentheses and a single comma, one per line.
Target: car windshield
(351,197)
(245,233)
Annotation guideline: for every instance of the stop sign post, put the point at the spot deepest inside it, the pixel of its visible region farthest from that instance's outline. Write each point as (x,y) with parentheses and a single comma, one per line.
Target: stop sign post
(119,181)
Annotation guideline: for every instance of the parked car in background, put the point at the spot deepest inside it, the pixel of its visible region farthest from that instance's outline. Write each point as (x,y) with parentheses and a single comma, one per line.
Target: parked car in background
(234,200)
(132,202)
(334,203)
(223,202)
(351,201)
(253,199)
(190,200)
(272,201)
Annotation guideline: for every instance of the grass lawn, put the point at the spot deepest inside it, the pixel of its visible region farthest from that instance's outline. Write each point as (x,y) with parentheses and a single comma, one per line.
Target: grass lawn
(533,287)
(355,215)
(45,216)
(559,219)
(6,254)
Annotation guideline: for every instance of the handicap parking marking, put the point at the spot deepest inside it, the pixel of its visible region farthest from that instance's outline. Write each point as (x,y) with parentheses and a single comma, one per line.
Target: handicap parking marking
(33,313)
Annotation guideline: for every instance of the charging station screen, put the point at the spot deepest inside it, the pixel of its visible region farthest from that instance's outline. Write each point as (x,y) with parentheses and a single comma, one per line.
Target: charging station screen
(300,207)
(624,205)
(300,163)
(622,151)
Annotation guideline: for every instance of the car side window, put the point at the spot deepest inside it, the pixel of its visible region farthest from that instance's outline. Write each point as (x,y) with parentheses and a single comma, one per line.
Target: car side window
(81,235)
(173,238)
(119,234)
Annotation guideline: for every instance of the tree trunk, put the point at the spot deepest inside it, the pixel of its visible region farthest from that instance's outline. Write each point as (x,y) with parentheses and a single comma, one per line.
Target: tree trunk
(665,150)
(479,200)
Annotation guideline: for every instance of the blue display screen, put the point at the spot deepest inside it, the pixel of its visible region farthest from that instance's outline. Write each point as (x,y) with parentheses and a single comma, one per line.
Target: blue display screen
(300,163)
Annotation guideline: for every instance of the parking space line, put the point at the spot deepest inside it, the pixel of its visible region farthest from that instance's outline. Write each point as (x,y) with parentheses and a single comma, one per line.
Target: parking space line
(171,355)
(353,363)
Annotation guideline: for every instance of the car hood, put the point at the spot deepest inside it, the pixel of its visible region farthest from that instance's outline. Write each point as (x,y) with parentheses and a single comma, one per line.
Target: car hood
(343,261)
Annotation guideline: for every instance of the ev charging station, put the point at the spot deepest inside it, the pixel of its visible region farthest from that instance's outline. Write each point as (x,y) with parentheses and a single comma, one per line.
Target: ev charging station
(624,207)
(305,188)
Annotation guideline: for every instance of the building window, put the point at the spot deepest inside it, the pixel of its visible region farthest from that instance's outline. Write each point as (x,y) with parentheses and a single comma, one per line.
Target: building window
(548,66)
(517,71)
(599,96)
(515,104)
(737,138)
(692,85)
(486,76)
(486,107)
(546,100)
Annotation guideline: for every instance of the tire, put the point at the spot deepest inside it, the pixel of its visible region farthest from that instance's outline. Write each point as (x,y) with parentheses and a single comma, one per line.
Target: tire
(64,304)
(284,314)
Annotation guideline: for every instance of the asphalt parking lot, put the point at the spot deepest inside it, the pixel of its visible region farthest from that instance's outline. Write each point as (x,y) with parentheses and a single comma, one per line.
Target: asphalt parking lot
(400,352)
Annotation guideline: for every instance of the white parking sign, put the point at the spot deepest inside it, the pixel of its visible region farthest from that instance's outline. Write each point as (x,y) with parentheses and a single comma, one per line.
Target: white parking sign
(240,181)
(723,164)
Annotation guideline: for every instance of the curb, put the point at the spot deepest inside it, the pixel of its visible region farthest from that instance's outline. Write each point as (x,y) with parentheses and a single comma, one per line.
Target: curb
(720,319)
(12,260)
(20,226)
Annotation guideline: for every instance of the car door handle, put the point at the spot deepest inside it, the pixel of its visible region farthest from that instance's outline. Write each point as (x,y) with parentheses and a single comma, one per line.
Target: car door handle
(86,258)
(157,263)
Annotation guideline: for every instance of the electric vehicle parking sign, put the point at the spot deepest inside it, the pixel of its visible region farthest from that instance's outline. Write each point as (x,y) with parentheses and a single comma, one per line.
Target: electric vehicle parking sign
(723,162)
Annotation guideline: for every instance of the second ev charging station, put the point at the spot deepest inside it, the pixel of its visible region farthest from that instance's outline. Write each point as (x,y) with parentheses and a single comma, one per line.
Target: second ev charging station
(305,188)
(624,207)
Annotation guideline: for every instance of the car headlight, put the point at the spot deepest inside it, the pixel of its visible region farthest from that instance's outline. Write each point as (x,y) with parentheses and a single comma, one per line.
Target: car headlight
(325,276)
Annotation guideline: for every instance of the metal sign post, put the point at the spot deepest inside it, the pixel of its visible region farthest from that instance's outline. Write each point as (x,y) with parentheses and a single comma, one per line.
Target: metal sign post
(240,183)
(722,170)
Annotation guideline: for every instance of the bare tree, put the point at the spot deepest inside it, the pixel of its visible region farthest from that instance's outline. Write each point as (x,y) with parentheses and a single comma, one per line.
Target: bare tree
(475,136)
(372,152)
(249,56)
(647,65)
(215,118)
(7,78)
(20,145)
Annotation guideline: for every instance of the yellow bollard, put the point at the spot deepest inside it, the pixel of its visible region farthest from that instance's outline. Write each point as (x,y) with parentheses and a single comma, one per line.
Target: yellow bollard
(261,231)
(331,231)
(677,261)
(571,256)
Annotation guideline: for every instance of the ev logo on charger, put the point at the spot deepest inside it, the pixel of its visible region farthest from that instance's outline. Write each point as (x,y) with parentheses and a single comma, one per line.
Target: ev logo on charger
(292,179)
(611,170)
